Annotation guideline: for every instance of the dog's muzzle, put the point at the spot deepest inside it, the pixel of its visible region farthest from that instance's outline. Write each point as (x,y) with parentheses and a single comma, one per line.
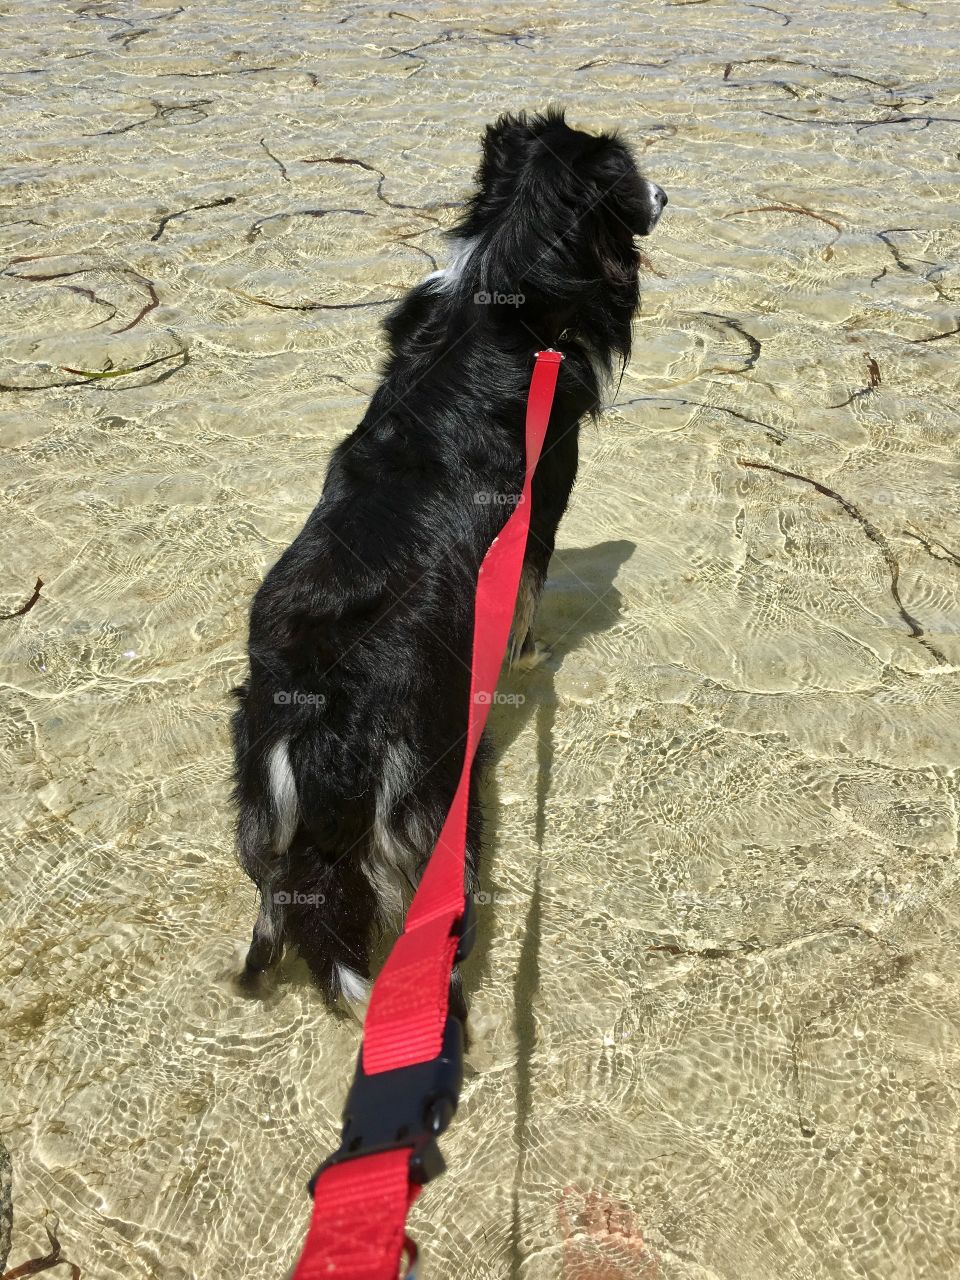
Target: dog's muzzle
(656,201)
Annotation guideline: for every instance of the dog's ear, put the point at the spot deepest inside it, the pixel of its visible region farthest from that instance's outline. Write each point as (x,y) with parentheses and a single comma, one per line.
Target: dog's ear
(507,147)
(504,149)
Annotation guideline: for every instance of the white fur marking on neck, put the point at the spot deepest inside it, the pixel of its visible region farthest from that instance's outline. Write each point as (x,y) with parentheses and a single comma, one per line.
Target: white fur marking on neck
(449,277)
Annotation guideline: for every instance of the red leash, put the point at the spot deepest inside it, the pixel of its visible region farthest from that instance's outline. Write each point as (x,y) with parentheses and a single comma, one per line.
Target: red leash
(410,1069)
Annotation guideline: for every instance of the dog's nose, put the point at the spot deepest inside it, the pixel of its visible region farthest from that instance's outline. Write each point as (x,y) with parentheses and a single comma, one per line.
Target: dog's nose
(656,200)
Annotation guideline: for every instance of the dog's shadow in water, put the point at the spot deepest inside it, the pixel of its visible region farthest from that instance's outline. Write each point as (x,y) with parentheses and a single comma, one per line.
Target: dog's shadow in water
(580,600)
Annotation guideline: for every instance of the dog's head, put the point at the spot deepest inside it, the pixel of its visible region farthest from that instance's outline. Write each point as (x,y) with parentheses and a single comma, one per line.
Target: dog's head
(552,226)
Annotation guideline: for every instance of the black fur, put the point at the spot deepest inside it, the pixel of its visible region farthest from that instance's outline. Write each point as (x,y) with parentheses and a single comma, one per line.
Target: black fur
(360,636)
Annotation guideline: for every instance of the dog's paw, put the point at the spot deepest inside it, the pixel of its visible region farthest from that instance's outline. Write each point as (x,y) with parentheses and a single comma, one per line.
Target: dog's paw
(532,655)
(253,984)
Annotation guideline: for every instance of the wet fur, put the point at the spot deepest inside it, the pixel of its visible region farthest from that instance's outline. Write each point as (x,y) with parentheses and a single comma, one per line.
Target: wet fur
(349,731)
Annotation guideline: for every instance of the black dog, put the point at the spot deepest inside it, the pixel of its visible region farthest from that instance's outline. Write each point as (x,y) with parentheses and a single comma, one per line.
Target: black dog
(350,734)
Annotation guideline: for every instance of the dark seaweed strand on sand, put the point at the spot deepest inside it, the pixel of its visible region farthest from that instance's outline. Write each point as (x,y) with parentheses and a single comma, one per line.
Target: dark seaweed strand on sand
(18,613)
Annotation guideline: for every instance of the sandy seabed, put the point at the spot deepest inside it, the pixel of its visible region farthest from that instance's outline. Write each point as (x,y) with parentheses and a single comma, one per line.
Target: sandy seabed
(716,1002)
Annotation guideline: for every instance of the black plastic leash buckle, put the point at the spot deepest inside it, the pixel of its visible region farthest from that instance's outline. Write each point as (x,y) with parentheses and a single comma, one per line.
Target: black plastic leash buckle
(408,1106)
(403,1107)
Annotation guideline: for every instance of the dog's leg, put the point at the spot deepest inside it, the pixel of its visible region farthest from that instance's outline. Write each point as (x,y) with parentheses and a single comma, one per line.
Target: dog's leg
(265,868)
(302,841)
(330,916)
(550,493)
(266,801)
(458,1002)
(523,649)
(266,946)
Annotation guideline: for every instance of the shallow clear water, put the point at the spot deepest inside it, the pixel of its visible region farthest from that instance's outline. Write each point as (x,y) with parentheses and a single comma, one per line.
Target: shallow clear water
(716,1003)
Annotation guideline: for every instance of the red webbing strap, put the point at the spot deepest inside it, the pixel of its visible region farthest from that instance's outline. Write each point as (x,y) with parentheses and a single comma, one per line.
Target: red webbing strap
(360,1232)
(360,1205)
